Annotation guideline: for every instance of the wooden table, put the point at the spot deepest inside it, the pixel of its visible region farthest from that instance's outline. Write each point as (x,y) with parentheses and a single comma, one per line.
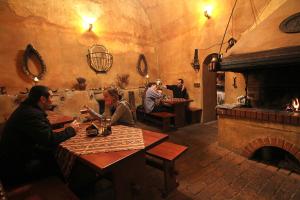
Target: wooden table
(58,120)
(179,108)
(127,167)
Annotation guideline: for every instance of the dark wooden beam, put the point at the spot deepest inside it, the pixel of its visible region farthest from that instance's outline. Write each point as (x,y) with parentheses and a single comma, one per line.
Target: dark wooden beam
(281,57)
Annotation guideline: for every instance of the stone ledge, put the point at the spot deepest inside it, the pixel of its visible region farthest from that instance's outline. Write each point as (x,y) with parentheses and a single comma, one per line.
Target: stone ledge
(265,115)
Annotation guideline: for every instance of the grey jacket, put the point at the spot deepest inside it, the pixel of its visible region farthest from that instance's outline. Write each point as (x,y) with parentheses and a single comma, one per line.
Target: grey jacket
(122,114)
(151,98)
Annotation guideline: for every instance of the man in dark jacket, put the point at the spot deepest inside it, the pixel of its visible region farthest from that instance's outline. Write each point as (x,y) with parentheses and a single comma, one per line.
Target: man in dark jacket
(27,142)
(179,91)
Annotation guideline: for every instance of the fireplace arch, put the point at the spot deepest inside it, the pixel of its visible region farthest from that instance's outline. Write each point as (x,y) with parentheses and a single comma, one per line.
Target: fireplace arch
(281,143)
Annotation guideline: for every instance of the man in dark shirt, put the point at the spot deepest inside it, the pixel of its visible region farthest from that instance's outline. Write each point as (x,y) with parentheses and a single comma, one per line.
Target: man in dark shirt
(179,91)
(27,142)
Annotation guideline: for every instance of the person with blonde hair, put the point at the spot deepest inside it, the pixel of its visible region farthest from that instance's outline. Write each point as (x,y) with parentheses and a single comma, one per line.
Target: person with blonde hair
(115,107)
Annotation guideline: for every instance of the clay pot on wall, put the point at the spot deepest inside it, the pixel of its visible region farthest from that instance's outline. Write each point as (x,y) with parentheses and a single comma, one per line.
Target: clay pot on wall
(81,83)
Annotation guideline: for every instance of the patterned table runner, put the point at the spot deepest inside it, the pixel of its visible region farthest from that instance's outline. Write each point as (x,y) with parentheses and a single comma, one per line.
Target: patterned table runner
(121,138)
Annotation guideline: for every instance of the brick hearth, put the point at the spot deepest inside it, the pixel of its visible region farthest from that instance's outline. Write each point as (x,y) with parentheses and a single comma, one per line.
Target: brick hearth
(265,115)
(245,130)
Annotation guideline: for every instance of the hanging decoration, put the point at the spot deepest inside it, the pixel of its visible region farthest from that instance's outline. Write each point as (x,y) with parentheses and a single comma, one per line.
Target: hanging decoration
(231,42)
(30,52)
(99,59)
(142,66)
(195,63)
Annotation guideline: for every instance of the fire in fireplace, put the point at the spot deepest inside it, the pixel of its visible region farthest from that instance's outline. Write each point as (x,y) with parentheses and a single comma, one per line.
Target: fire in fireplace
(274,88)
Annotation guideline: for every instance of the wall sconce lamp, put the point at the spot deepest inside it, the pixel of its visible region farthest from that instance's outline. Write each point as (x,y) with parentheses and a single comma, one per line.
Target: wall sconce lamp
(90,27)
(88,23)
(195,64)
(208,11)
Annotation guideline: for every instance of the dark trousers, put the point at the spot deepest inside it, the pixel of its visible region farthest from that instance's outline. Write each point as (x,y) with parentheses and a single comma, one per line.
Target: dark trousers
(160,108)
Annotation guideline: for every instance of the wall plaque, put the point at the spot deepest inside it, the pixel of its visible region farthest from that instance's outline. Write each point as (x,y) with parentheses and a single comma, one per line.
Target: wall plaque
(291,24)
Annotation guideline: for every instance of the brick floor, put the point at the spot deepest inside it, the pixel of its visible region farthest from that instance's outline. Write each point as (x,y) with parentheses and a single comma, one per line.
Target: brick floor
(208,171)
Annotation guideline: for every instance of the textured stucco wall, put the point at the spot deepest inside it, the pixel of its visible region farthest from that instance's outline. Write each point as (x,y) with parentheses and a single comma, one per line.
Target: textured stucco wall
(55,29)
(180,27)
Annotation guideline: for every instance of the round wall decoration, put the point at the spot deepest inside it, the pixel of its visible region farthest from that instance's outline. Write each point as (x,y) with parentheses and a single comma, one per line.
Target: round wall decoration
(29,52)
(291,24)
(142,66)
(99,59)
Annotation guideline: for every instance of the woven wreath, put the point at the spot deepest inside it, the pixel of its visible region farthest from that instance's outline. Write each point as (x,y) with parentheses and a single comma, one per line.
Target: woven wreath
(30,51)
(142,72)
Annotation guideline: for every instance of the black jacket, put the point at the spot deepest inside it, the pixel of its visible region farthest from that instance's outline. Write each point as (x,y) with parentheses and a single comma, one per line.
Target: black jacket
(177,92)
(27,135)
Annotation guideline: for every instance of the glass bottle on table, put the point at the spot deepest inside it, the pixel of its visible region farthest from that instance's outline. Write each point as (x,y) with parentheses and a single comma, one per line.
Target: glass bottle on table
(103,124)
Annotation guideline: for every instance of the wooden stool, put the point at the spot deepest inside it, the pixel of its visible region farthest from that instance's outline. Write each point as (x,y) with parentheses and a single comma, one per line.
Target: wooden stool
(167,152)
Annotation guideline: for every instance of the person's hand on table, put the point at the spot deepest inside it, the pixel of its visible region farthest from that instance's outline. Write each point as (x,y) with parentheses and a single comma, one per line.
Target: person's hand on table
(75,125)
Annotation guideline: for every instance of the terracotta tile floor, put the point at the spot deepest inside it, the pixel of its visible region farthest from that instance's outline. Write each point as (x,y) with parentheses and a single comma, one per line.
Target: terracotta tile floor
(208,171)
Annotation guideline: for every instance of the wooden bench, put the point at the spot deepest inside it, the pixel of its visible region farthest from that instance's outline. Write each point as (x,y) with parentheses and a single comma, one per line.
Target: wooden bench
(162,118)
(166,152)
(49,188)
(193,115)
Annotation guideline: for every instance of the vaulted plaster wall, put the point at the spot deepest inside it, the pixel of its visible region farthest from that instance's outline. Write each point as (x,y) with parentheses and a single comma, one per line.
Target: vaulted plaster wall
(166,31)
(55,29)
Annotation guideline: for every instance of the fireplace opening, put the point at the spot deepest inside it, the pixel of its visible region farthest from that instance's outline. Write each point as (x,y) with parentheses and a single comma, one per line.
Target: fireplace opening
(273,88)
(277,157)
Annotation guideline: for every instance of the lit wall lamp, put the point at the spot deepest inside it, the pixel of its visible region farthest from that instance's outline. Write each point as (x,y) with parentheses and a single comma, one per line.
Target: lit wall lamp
(208,11)
(88,23)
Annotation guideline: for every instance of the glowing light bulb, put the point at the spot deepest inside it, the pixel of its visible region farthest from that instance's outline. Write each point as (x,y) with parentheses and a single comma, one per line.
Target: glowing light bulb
(88,22)
(208,11)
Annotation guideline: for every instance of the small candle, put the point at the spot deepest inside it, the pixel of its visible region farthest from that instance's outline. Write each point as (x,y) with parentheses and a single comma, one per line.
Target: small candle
(147,80)
(35,79)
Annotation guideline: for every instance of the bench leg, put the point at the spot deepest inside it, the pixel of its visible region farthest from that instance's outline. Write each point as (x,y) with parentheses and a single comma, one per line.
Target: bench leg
(170,181)
(166,124)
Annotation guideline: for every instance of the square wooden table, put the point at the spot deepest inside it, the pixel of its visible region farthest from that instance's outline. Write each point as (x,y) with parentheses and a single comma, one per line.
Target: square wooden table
(127,167)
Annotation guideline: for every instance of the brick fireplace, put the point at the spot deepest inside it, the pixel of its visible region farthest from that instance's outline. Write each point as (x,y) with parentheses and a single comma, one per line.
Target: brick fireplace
(245,130)
(272,81)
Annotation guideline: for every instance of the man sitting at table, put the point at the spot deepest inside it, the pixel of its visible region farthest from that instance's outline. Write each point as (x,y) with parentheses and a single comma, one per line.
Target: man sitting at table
(27,142)
(153,97)
(179,91)
(115,107)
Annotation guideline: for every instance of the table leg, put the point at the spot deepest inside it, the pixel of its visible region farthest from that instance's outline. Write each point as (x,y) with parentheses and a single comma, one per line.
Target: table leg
(179,110)
(128,176)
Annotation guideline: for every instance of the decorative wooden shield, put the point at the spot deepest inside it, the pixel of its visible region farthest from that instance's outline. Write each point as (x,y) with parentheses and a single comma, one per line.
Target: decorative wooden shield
(99,59)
